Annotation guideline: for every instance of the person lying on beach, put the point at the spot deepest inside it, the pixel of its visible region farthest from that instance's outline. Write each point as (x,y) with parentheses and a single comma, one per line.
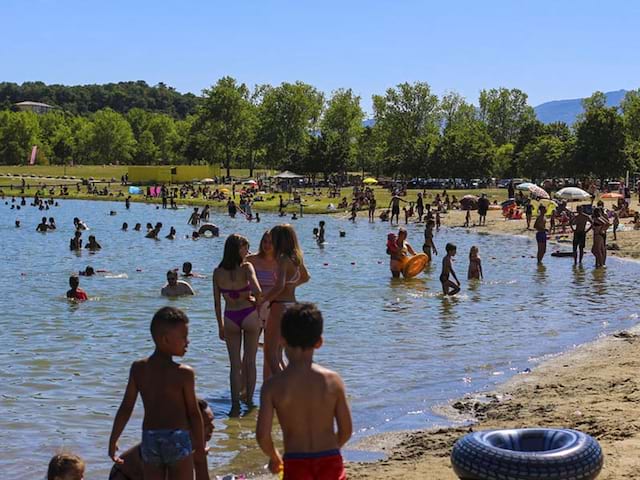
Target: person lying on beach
(308,400)
(448,286)
(42,226)
(172,234)
(93,244)
(75,292)
(76,242)
(132,466)
(175,287)
(172,430)
(66,466)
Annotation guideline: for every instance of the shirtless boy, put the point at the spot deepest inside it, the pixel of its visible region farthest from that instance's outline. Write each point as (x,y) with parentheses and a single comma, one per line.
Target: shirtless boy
(172,432)
(75,292)
(394,205)
(448,286)
(175,287)
(307,399)
(578,225)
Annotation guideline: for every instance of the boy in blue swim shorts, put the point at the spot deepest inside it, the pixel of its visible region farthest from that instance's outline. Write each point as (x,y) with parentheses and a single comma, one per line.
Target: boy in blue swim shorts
(172,432)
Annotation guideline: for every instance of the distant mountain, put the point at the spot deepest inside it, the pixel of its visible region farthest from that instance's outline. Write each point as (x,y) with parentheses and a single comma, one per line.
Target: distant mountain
(568,110)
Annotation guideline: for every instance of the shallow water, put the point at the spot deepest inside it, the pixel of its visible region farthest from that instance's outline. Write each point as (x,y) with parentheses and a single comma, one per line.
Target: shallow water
(400,346)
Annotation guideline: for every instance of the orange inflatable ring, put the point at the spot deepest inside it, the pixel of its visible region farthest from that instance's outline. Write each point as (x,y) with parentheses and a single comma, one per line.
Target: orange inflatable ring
(414,265)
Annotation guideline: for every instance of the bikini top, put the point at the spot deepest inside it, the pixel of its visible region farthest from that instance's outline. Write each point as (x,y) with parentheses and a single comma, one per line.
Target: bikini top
(295,277)
(266,278)
(235,293)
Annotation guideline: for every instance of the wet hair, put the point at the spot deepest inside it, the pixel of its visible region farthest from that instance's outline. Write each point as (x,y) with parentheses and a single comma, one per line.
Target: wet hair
(261,252)
(285,242)
(231,258)
(166,319)
(187,267)
(473,250)
(401,231)
(172,272)
(66,466)
(450,247)
(89,271)
(202,403)
(302,325)
(74,281)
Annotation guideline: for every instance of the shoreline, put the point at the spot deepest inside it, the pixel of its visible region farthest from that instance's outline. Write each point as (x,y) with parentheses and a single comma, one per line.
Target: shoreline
(590,387)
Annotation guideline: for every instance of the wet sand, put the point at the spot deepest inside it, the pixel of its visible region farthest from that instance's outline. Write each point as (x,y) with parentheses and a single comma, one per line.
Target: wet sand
(593,388)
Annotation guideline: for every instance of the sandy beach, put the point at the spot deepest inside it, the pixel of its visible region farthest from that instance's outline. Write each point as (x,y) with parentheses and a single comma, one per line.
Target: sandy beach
(592,388)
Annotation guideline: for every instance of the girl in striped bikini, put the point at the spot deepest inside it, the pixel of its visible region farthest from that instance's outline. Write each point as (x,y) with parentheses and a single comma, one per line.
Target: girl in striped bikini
(291,273)
(266,267)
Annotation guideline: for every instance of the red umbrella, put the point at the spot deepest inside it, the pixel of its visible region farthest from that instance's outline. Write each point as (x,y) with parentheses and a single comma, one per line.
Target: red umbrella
(538,192)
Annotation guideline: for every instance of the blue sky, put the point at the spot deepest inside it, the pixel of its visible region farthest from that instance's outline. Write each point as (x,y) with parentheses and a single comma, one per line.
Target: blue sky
(550,49)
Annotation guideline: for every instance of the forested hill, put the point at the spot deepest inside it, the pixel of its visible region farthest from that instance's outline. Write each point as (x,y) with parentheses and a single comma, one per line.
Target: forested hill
(83,99)
(567,111)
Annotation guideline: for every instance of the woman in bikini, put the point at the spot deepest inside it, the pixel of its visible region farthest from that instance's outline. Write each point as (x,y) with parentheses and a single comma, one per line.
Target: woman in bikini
(400,253)
(235,280)
(290,274)
(266,267)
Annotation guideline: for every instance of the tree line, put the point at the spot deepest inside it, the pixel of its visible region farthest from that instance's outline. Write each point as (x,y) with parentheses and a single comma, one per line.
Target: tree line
(414,133)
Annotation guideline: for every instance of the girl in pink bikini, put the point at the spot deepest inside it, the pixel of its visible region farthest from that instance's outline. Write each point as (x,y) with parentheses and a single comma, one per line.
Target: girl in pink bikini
(235,280)
(291,273)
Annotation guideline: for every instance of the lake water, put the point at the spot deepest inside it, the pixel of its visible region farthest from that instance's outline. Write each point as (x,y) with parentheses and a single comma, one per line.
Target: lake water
(400,346)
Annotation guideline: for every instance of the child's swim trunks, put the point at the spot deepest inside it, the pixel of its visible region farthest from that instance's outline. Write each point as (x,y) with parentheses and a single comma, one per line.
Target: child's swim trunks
(165,447)
(541,237)
(325,465)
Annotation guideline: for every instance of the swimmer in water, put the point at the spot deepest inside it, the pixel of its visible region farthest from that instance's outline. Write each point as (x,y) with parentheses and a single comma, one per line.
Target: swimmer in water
(75,292)
(52,223)
(175,287)
(172,234)
(17,223)
(76,242)
(87,272)
(154,231)
(125,226)
(400,254)
(321,231)
(448,286)
(475,265)
(138,227)
(42,227)
(149,227)
(429,246)
(194,219)
(93,244)
(187,271)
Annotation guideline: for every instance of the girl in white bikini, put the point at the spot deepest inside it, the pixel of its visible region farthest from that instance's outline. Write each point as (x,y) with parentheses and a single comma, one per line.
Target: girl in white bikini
(291,273)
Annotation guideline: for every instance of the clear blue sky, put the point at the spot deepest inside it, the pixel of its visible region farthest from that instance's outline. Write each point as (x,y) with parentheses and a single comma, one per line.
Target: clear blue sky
(551,49)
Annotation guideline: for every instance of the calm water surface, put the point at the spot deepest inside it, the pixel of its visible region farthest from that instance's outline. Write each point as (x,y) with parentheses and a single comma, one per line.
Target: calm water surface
(400,346)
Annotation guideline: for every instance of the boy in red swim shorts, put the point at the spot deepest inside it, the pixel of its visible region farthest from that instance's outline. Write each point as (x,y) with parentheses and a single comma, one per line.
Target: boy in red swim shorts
(75,292)
(307,399)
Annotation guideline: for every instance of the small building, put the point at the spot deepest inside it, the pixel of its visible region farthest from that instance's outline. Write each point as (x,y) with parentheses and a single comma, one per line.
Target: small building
(171,173)
(35,107)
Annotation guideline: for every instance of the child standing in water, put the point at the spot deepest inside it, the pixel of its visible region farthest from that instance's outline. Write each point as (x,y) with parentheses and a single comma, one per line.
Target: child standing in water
(429,246)
(437,220)
(449,287)
(475,265)
(75,292)
(308,400)
(172,418)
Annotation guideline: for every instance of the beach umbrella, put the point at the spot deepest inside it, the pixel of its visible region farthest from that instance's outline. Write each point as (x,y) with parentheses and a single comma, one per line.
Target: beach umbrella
(537,191)
(469,202)
(287,175)
(611,195)
(207,180)
(224,190)
(250,182)
(524,186)
(370,181)
(572,193)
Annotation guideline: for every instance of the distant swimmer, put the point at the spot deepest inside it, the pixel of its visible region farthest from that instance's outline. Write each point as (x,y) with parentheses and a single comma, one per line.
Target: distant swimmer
(209,228)
(475,264)
(321,231)
(187,271)
(87,272)
(52,223)
(194,219)
(448,286)
(17,223)
(93,244)
(138,227)
(125,226)
(42,227)
(172,234)
(75,292)
(175,287)
(79,224)
(153,233)
(149,227)
(76,242)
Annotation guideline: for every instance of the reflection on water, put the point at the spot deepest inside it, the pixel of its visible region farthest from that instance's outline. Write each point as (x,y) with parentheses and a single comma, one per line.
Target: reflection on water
(400,345)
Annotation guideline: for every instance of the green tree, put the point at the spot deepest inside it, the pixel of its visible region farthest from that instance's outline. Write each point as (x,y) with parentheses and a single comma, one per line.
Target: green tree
(19,132)
(288,116)
(545,157)
(340,127)
(600,141)
(408,121)
(466,150)
(107,139)
(504,112)
(224,116)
